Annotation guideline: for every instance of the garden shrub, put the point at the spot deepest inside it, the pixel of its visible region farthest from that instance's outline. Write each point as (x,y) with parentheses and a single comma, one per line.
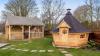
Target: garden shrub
(91,44)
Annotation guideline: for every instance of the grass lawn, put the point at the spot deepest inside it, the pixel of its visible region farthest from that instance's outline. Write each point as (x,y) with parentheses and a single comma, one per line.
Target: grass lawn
(36,44)
(84,52)
(42,44)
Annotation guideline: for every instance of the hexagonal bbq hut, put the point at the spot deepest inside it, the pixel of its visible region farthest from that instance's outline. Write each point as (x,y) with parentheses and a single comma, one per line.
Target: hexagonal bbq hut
(70,33)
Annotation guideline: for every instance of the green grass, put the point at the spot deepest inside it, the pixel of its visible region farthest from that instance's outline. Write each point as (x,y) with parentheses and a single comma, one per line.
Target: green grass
(36,44)
(84,52)
(43,44)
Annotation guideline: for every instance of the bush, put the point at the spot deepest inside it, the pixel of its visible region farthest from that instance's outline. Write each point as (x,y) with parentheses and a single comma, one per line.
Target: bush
(91,44)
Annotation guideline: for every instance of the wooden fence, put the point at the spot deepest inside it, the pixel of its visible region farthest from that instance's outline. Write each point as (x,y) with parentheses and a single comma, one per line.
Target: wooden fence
(95,36)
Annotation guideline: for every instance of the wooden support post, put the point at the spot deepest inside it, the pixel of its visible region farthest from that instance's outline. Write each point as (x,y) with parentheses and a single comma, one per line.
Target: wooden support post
(29,32)
(9,32)
(22,32)
(38,33)
(43,31)
(6,32)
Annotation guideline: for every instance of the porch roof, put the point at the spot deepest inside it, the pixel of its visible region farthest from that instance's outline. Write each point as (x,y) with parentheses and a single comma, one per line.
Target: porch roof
(18,20)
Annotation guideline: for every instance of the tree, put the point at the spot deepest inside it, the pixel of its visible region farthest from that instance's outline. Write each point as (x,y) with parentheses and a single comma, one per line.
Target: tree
(94,11)
(97,11)
(90,11)
(51,11)
(81,13)
(21,7)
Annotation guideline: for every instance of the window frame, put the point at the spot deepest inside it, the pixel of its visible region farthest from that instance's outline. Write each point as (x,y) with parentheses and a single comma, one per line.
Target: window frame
(82,36)
(65,31)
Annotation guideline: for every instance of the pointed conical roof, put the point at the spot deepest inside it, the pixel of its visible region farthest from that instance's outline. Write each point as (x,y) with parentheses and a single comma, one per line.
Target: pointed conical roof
(76,26)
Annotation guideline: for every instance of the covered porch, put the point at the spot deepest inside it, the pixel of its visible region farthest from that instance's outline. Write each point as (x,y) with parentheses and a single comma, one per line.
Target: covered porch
(24,32)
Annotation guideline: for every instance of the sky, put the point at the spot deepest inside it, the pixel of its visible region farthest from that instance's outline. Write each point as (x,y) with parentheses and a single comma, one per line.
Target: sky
(72,4)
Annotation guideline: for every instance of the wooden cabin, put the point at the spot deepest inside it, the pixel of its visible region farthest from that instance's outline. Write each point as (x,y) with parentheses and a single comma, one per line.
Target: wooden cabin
(23,28)
(70,33)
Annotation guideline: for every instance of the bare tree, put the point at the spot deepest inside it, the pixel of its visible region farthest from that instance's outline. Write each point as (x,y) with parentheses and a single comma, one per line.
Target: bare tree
(52,10)
(94,10)
(21,7)
(90,11)
(97,12)
(81,13)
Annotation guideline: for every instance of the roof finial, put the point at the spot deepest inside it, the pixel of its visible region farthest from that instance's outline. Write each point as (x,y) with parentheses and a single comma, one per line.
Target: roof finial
(68,9)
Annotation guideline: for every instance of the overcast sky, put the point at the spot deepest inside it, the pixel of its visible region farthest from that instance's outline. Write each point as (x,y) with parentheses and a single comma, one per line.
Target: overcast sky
(72,4)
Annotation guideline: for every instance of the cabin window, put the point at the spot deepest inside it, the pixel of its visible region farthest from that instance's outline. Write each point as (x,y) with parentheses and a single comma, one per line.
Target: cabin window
(64,31)
(82,35)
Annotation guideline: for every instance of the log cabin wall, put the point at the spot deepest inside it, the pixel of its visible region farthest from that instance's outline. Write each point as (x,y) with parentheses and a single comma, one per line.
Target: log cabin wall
(76,39)
(73,39)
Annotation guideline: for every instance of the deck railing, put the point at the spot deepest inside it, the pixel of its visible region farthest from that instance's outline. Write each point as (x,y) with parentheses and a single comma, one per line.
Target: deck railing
(36,34)
(19,35)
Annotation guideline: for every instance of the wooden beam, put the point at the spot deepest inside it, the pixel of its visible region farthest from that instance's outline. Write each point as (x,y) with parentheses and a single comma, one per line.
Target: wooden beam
(43,31)
(6,29)
(29,33)
(22,32)
(9,32)
(38,34)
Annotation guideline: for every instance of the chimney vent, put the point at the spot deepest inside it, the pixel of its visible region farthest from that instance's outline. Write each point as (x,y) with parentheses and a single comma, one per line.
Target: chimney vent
(68,9)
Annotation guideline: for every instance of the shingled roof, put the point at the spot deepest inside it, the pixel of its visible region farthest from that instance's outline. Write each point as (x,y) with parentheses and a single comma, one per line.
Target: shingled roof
(17,20)
(76,26)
